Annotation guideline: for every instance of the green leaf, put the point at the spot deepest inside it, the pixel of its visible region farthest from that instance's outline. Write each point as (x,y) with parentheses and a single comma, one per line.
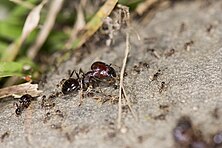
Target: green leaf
(3,46)
(9,31)
(11,69)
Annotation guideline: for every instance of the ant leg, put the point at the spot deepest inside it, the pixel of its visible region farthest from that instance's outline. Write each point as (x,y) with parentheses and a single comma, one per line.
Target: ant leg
(81,95)
(81,73)
(81,78)
(72,73)
(15,105)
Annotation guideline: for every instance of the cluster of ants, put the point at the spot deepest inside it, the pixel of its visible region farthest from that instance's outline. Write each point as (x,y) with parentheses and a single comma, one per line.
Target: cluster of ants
(100,72)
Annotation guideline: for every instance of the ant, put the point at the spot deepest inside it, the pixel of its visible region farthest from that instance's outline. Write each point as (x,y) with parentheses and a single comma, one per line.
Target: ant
(103,69)
(100,72)
(47,103)
(156,75)
(49,115)
(185,135)
(154,53)
(188,45)
(170,53)
(163,87)
(71,84)
(24,102)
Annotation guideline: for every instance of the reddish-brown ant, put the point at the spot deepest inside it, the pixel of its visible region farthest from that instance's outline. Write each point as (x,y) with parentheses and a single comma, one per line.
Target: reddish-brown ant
(100,72)
(103,70)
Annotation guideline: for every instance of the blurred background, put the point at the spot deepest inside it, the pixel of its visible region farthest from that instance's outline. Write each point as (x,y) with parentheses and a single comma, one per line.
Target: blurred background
(36,36)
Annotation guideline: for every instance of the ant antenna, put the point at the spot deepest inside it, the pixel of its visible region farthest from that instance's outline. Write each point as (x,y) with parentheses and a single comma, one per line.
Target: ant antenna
(77,74)
(81,71)
(115,65)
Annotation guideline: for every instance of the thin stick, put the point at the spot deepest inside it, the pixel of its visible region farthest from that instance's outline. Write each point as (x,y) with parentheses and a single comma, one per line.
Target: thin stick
(128,103)
(54,9)
(121,82)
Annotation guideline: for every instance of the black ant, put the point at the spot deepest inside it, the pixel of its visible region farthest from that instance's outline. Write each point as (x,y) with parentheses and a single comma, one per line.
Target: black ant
(19,109)
(156,75)
(71,85)
(163,87)
(49,115)
(47,103)
(24,103)
(154,53)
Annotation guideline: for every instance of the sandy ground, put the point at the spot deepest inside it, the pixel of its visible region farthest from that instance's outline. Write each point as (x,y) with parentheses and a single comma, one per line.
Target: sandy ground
(193,87)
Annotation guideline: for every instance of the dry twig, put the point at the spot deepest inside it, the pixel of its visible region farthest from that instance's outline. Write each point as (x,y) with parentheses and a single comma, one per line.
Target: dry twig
(78,26)
(93,25)
(142,7)
(122,89)
(121,82)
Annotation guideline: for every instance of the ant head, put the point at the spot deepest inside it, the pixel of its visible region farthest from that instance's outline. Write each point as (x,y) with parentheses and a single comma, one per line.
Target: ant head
(18,111)
(112,72)
(118,68)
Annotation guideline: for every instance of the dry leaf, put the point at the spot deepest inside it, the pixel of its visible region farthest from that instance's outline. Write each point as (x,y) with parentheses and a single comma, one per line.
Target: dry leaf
(19,90)
(54,9)
(93,25)
(32,20)
(30,24)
